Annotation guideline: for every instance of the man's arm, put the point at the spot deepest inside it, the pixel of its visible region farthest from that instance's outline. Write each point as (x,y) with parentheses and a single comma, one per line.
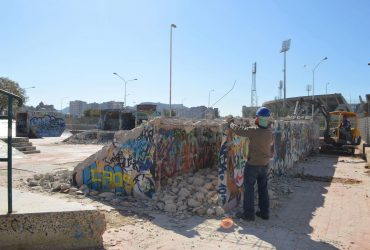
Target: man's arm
(238,129)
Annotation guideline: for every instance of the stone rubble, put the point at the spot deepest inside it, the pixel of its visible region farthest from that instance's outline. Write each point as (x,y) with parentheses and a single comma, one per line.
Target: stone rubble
(180,196)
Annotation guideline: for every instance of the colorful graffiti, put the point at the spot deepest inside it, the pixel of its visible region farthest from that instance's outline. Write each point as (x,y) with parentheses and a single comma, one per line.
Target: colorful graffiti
(233,157)
(138,166)
(292,141)
(40,124)
(128,168)
(181,151)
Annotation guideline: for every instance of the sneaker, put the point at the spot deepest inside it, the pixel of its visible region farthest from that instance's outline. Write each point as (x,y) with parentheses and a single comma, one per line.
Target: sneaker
(262,216)
(241,215)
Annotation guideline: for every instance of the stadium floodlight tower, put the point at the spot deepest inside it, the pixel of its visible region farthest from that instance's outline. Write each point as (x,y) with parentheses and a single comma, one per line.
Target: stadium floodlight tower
(254,102)
(308,89)
(284,48)
(280,89)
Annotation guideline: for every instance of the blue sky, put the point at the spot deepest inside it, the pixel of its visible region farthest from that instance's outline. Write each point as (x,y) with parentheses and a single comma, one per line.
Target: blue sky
(71,48)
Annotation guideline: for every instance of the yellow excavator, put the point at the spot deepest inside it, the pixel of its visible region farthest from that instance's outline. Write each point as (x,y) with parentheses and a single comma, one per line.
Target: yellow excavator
(337,138)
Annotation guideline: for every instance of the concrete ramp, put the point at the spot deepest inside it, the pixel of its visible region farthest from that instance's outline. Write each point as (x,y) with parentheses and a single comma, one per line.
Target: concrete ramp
(43,222)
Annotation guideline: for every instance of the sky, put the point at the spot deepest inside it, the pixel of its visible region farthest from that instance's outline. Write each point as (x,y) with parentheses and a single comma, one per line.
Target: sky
(68,49)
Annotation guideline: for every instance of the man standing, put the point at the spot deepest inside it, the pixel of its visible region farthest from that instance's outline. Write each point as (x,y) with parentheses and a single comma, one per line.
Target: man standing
(260,152)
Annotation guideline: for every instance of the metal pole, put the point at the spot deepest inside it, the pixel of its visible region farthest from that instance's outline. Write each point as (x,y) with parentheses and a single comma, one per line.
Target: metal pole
(284,79)
(10,188)
(171,71)
(124,105)
(313,90)
(326,94)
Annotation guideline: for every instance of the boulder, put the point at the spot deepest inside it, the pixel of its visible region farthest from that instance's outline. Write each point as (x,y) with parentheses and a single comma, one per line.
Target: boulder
(170,208)
(199,196)
(198,181)
(219,211)
(194,203)
(64,186)
(33,183)
(106,195)
(183,193)
(211,211)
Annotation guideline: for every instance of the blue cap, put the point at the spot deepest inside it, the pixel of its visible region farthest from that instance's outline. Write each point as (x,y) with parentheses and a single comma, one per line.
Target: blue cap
(263,111)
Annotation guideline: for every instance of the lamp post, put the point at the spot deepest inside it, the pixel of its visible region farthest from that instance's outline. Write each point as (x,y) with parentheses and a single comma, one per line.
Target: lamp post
(313,82)
(326,93)
(135,79)
(32,87)
(209,97)
(172,26)
(61,103)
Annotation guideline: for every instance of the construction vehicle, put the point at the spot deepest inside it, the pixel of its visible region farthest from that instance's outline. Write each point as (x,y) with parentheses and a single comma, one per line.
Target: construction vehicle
(336,138)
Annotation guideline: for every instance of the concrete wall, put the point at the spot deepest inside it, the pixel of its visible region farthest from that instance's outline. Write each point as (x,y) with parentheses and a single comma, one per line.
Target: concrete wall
(56,230)
(4,128)
(40,124)
(139,159)
(364,126)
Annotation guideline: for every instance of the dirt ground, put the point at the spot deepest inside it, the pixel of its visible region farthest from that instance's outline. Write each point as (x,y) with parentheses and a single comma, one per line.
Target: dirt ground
(328,208)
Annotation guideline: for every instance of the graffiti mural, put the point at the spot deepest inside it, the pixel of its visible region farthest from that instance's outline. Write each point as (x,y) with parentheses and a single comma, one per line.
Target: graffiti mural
(21,124)
(233,157)
(292,141)
(128,168)
(179,151)
(40,124)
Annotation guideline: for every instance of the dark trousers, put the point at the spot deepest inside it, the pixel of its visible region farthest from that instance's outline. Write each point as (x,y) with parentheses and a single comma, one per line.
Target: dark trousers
(251,175)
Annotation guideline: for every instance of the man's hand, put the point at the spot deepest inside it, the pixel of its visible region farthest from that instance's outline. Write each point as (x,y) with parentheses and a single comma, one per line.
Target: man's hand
(229,119)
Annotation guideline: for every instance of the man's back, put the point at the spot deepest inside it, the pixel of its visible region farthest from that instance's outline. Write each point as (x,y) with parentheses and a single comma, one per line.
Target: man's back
(260,143)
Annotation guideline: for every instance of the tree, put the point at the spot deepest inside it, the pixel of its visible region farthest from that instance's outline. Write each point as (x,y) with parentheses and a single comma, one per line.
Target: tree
(92,113)
(14,88)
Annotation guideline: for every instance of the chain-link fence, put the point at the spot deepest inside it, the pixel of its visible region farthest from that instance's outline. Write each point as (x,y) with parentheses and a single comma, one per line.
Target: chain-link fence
(365,129)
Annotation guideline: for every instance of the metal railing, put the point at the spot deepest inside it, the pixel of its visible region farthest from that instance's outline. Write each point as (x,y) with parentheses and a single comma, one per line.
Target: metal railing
(9,117)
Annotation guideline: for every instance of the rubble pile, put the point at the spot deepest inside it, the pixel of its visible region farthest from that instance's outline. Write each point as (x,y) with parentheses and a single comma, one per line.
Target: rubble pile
(191,194)
(91,137)
(58,181)
(179,196)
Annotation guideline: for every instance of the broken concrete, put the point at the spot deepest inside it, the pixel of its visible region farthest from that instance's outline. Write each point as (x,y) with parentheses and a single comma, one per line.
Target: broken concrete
(40,222)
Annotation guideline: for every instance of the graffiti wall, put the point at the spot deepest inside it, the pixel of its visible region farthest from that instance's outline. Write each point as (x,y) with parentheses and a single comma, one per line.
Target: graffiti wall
(182,151)
(39,124)
(137,162)
(153,152)
(292,141)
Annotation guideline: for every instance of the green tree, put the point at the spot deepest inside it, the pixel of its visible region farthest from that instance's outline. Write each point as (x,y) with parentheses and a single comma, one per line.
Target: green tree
(92,113)
(14,88)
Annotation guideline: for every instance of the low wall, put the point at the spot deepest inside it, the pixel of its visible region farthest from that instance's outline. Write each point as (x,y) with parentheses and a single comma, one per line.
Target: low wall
(364,127)
(138,160)
(39,124)
(57,230)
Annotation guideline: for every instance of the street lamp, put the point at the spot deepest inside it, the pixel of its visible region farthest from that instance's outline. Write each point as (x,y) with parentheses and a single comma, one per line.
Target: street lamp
(32,87)
(209,97)
(172,26)
(61,103)
(135,79)
(313,82)
(326,93)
